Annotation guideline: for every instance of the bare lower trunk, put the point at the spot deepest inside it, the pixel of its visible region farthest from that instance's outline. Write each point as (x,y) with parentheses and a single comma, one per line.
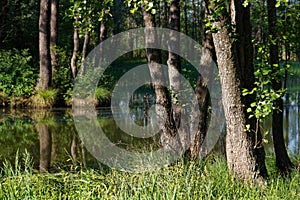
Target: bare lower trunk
(44,46)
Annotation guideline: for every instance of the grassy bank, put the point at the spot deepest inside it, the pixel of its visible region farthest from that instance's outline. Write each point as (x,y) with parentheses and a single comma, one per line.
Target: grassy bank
(208,179)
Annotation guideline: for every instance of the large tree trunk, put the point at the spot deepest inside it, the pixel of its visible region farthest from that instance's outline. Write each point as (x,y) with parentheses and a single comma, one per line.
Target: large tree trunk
(75,49)
(245,62)
(44,46)
(242,158)
(283,161)
(53,34)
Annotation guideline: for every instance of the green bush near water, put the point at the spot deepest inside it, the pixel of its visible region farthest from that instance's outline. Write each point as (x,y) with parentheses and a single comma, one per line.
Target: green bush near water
(208,179)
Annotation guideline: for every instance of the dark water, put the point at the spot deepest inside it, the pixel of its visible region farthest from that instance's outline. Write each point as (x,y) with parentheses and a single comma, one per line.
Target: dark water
(50,137)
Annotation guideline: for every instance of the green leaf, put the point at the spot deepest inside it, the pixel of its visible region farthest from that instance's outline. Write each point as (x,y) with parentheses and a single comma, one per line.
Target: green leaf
(248,126)
(153,11)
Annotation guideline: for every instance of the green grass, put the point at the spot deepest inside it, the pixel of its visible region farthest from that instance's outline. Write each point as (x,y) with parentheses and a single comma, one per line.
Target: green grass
(44,98)
(208,179)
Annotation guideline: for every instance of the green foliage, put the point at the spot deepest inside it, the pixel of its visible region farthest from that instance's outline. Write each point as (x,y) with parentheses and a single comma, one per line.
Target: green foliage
(44,98)
(102,94)
(62,79)
(18,77)
(266,97)
(135,5)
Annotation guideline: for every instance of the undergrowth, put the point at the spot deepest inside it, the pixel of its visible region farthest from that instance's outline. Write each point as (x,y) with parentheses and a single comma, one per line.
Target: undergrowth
(207,179)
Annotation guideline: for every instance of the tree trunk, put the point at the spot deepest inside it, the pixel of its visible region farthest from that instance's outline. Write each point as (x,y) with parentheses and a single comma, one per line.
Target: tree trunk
(102,32)
(75,49)
(242,158)
(246,68)
(53,34)
(163,103)
(283,161)
(174,66)
(185,18)
(202,95)
(45,74)
(194,35)
(84,50)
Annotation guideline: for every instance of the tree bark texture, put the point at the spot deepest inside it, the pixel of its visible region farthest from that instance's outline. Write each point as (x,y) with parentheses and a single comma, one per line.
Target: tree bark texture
(242,25)
(202,95)
(242,158)
(54,34)
(163,102)
(174,65)
(45,74)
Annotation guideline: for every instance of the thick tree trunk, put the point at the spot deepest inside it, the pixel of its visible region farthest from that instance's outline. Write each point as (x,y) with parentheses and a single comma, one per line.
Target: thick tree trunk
(53,34)
(75,50)
(44,46)
(242,25)
(242,158)
(283,161)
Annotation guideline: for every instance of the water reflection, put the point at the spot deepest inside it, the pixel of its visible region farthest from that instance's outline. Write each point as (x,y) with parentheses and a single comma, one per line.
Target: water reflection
(51,139)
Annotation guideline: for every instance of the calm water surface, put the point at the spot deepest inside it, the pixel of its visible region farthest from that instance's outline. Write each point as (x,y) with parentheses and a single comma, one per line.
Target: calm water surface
(51,136)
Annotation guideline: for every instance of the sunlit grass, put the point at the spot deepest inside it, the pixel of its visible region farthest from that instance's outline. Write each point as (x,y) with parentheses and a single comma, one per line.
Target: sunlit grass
(208,179)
